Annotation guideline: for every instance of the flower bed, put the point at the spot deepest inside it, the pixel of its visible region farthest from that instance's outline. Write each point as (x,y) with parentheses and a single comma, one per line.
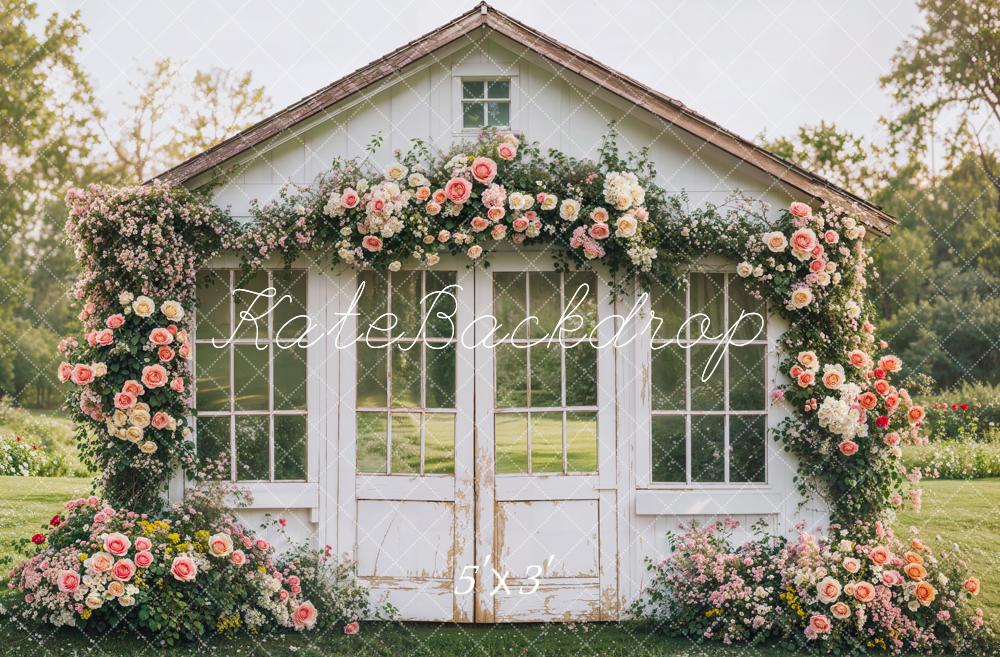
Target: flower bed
(21,458)
(854,590)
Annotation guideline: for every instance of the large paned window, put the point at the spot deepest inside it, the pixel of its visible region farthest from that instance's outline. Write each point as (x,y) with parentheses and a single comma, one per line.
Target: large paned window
(406,373)
(250,391)
(708,401)
(545,405)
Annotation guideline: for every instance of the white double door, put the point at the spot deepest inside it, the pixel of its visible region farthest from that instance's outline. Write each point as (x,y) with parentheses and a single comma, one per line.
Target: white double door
(476,463)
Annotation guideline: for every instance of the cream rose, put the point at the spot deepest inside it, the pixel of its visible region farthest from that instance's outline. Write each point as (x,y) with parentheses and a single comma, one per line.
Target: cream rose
(569,209)
(143,306)
(172,310)
(220,545)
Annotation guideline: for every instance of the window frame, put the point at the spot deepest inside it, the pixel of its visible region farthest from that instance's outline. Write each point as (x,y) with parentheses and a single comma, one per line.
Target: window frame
(488,71)
(646,412)
(270,413)
(484,101)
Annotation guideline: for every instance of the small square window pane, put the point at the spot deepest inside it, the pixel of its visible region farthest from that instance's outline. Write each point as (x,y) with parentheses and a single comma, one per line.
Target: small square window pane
(250,370)
(440,379)
(371,442)
(406,375)
(211,378)
(405,443)
(546,376)
(746,377)
(669,363)
(707,376)
(212,437)
(708,448)
(511,364)
(547,442)
(372,375)
(289,378)
(581,441)
(751,327)
(289,447)
(707,298)
(669,449)
(212,304)
(747,438)
(511,442)
(250,307)
(252,453)
(473,115)
(473,88)
(498,113)
(498,89)
(581,375)
(439,443)
(439,302)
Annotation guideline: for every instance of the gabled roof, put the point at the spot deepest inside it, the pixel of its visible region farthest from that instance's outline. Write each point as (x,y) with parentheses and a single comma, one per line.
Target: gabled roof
(667,108)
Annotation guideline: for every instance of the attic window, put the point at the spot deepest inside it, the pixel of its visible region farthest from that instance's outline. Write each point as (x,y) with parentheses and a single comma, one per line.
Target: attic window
(485,102)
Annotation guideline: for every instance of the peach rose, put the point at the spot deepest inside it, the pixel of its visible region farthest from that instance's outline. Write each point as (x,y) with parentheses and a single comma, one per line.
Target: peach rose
(890,363)
(220,545)
(800,210)
(154,376)
(372,243)
(104,337)
(68,581)
(65,372)
(116,589)
(891,439)
(882,387)
(423,193)
(124,401)
(458,190)
(795,371)
(599,231)
(891,401)
(161,336)
(474,251)
(165,354)
(840,611)
(304,616)
(852,565)
(82,374)
(831,237)
(806,379)
(479,224)
(117,543)
(880,555)
(808,360)
(133,388)
(924,593)
(123,570)
(484,170)
(144,559)
(858,358)
(868,400)
(496,214)
(101,562)
(864,592)
(801,297)
(833,376)
(160,420)
(519,224)
(819,623)
(238,557)
(828,590)
(506,151)
(848,448)
(915,571)
(775,241)
(971,586)
(915,414)
(177,385)
(912,557)
(803,240)
(184,569)
(115,321)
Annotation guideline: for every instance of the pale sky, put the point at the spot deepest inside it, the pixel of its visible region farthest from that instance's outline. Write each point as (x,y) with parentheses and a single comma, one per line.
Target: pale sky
(751,66)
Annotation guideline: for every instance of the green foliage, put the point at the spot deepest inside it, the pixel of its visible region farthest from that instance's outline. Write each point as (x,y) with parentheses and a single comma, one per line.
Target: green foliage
(955,459)
(22,458)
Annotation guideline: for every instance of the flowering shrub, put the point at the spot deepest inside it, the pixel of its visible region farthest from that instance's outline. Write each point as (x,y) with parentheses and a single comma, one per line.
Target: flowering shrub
(852,591)
(185,574)
(128,380)
(19,458)
(954,459)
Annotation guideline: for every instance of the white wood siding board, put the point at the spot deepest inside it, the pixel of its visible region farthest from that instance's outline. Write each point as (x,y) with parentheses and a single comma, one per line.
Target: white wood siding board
(323,143)
(287,162)
(409,110)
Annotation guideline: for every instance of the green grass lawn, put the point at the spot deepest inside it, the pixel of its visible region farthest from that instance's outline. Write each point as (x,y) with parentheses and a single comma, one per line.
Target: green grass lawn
(963,512)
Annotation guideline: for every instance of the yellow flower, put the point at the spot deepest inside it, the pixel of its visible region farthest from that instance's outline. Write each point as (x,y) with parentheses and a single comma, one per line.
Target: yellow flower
(183,547)
(202,535)
(262,569)
(174,537)
(83,556)
(85,614)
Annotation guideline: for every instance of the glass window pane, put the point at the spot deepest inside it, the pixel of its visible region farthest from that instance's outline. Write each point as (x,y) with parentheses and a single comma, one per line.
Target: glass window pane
(440,304)
(546,376)
(669,378)
(406,375)
(371,442)
(289,378)
(372,376)
(289,447)
(498,113)
(741,301)
(669,449)
(545,302)
(707,298)
(707,376)
(546,442)
(472,115)
(668,305)
(747,439)
(405,443)
(498,89)
(372,304)
(746,377)
(708,448)
(406,293)
(289,312)
(473,88)
(581,441)
(213,304)
(212,437)
(212,378)
(250,305)
(582,285)
(581,375)
(511,365)
(440,379)
(509,305)
(252,453)
(511,442)
(439,443)
(250,388)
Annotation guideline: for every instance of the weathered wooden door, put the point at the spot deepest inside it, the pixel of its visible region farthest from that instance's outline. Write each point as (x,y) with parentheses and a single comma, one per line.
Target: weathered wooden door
(545,444)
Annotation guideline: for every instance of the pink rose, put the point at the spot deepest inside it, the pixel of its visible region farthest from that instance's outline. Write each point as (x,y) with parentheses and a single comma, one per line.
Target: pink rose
(68,581)
(154,376)
(352,628)
(123,570)
(124,401)
(160,420)
(800,210)
(293,580)
(484,170)
(831,237)
(144,558)
(803,240)
(185,351)
(65,372)
(184,569)
(262,544)
(458,190)
(372,243)
(848,448)
(283,595)
(238,557)
(817,266)
(864,592)
(177,385)
(880,555)
(820,623)
(133,388)
(104,337)
(479,224)
(165,354)
(520,224)
(496,214)
(304,616)
(161,336)
(891,439)
(82,374)
(349,198)
(599,231)
(506,151)
(115,321)
(247,542)
(117,543)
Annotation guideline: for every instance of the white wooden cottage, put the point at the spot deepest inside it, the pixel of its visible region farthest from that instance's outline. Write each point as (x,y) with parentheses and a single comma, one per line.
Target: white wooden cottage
(556,481)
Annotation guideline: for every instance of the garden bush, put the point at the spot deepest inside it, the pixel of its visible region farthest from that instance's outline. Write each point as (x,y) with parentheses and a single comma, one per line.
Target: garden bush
(954,459)
(970,412)
(21,458)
